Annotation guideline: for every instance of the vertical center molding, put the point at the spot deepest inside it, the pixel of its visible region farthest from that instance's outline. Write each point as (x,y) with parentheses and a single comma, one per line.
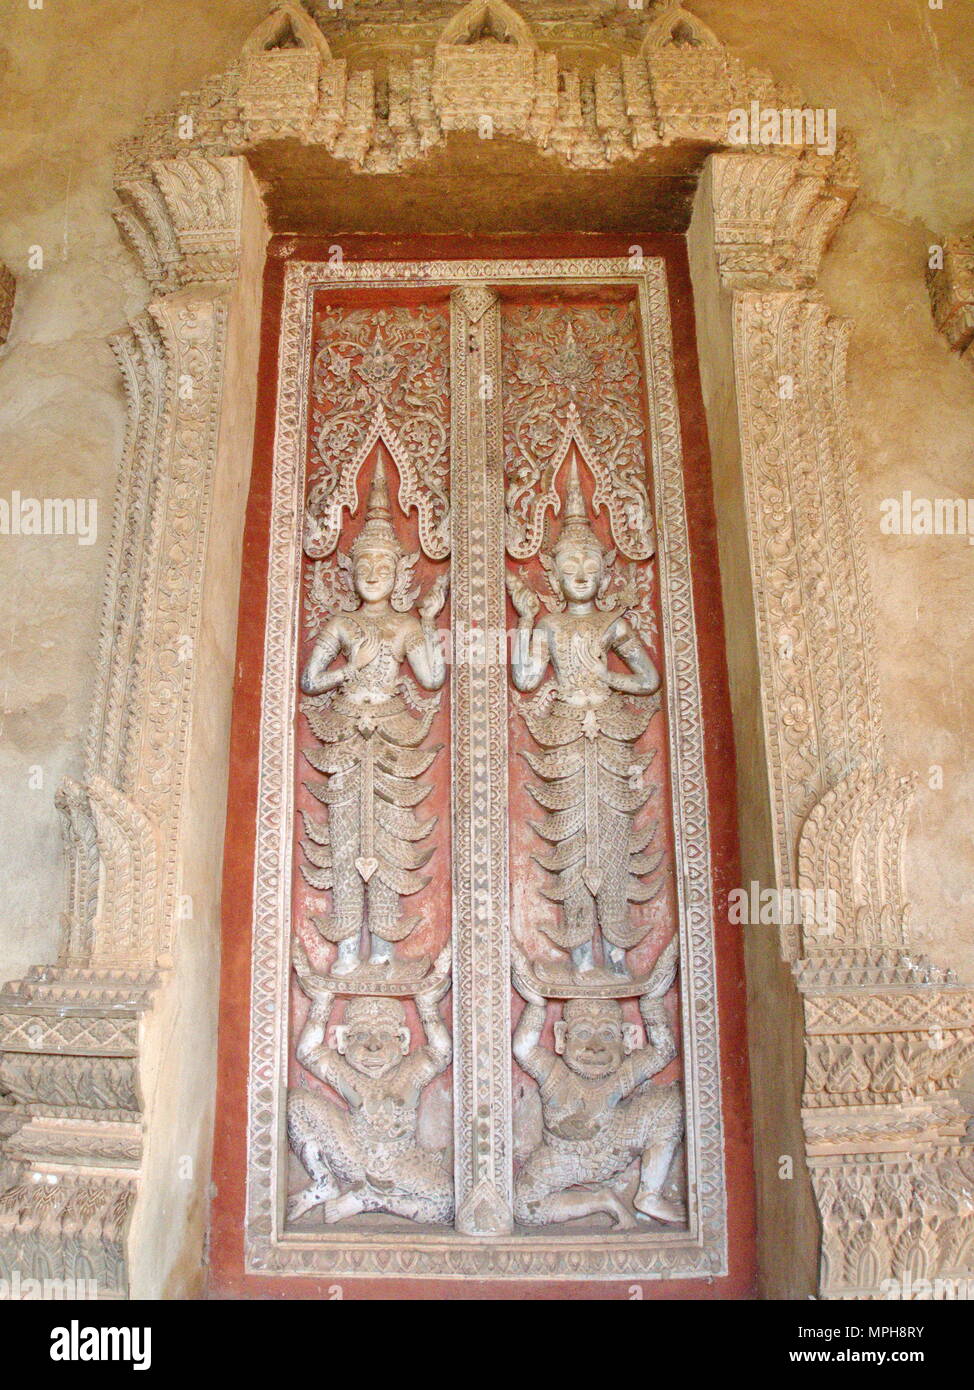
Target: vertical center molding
(481,937)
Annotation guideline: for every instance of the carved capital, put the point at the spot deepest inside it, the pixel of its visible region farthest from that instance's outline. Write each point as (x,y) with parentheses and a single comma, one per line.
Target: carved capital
(776,212)
(183,220)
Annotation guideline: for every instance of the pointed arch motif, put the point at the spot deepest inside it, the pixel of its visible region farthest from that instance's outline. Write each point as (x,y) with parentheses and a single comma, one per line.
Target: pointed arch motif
(676,27)
(286,20)
(487,19)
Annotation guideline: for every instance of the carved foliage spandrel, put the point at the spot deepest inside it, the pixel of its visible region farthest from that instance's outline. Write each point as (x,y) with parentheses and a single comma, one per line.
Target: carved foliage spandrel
(380,372)
(574,373)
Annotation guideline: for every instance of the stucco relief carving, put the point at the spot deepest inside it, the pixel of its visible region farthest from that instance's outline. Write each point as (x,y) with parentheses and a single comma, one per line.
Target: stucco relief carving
(571,374)
(372,747)
(651,1112)
(485,66)
(574,378)
(70,1033)
(776,212)
(591,777)
(366,1157)
(600,1114)
(951,290)
(8,291)
(380,375)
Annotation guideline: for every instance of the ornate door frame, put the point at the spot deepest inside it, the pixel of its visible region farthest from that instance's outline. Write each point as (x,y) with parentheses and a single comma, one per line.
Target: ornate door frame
(482,1246)
(105,1106)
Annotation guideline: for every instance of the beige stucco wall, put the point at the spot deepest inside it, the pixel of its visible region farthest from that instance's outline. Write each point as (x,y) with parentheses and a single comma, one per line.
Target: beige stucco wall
(75,78)
(899,75)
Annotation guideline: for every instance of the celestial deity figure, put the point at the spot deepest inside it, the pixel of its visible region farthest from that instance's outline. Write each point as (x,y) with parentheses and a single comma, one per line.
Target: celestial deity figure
(370,851)
(588,731)
(366,1158)
(599,1110)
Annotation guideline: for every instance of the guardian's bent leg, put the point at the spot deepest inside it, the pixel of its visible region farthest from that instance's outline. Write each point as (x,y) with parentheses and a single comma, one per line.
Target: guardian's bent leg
(318,1132)
(540,1195)
(656,1118)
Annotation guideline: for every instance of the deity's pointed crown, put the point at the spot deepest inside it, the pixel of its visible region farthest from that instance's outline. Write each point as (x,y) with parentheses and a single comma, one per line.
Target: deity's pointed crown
(575,527)
(378,531)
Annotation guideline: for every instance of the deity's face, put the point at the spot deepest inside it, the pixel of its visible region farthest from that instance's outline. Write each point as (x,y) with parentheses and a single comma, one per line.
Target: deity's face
(374,1046)
(593,1042)
(580,569)
(374,570)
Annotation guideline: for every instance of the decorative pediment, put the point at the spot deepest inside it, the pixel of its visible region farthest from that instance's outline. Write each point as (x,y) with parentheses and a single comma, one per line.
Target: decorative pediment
(288,77)
(286,29)
(488,73)
(487,20)
(675,27)
(484,73)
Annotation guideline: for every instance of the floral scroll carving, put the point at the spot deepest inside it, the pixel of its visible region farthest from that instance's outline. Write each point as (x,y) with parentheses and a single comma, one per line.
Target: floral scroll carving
(380,375)
(574,377)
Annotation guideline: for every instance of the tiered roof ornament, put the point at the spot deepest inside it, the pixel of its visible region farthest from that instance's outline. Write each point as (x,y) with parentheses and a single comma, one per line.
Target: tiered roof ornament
(486,72)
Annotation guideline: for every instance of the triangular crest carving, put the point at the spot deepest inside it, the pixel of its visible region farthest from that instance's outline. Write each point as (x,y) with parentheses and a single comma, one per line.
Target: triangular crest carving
(288,26)
(487,19)
(675,27)
(323,517)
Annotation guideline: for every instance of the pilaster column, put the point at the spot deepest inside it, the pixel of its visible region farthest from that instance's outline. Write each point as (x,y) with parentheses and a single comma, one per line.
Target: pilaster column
(885,1034)
(109,1131)
(481,930)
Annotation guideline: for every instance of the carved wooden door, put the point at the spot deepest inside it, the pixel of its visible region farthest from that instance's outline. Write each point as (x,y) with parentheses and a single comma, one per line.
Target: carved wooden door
(482,1031)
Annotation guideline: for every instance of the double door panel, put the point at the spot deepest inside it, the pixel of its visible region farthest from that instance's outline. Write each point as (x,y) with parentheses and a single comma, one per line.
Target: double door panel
(483,1013)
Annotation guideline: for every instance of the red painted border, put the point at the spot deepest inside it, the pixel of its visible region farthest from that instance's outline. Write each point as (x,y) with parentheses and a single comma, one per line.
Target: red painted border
(227,1278)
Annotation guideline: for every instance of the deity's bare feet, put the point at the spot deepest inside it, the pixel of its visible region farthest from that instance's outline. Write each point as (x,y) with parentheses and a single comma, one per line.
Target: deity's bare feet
(622,1217)
(655,1205)
(347,963)
(304,1200)
(348,1204)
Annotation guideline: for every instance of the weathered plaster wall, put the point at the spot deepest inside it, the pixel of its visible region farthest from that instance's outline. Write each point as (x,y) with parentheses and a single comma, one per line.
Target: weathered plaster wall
(75,77)
(899,75)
